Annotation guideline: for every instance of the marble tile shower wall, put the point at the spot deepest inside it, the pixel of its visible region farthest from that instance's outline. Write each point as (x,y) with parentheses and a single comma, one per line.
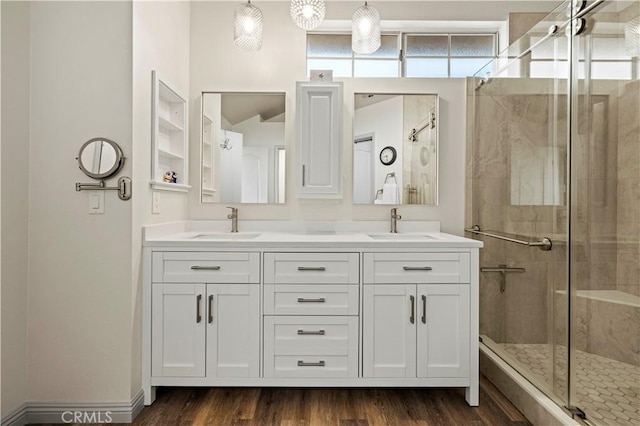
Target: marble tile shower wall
(628,191)
(517,114)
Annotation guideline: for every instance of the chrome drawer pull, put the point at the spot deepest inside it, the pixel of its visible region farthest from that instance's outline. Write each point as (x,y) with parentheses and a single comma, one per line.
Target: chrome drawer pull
(310,333)
(303,300)
(310,364)
(311,268)
(205,268)
(198,316)
(417,268)
(412,304)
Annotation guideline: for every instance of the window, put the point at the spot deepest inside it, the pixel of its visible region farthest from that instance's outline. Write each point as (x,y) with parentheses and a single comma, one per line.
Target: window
(333,52)
(426,55)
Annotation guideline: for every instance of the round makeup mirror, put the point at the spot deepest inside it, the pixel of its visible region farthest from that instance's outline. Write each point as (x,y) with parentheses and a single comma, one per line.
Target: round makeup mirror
(100,158)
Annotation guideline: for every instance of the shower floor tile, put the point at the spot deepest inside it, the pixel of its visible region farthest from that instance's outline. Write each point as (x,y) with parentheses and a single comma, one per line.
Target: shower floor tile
(607,390)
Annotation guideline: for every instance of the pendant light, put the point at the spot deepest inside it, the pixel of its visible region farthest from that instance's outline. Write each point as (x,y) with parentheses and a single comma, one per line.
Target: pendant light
(247,34)
(365,30)
(307,14)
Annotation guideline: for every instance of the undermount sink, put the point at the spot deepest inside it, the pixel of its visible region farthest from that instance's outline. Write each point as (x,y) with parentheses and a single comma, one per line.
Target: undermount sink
(226,236)
(391,236)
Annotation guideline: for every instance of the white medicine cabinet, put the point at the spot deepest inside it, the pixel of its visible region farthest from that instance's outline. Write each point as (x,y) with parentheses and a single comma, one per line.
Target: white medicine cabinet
(169,170)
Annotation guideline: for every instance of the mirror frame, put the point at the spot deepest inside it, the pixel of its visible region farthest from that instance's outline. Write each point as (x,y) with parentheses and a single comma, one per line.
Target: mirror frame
(118,164)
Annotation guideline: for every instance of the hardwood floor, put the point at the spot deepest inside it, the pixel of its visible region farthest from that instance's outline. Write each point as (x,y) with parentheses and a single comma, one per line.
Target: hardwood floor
(340,407)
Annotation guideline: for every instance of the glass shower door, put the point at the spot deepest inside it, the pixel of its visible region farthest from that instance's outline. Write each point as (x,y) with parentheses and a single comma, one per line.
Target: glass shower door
(605,215)
(519,183)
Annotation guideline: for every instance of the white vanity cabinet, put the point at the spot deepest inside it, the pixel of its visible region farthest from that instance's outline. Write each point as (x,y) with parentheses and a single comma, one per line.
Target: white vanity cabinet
(205,316)
(286,311)
(319,139)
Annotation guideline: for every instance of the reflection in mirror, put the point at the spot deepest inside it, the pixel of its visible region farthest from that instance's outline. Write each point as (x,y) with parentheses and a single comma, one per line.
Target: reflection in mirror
(395,149)
(100,158)
(243,155)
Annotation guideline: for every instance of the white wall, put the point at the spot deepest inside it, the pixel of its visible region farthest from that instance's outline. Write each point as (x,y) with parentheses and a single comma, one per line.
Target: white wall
(385,119)
(14,189)
(161,43)
(79,301)
(217,65)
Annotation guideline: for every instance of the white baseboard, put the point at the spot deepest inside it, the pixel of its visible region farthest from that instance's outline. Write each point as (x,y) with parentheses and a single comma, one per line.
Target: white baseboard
(70,412)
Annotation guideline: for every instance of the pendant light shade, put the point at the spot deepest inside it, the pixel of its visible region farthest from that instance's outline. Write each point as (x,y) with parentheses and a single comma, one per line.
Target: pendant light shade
(365,30)
(307,14)
(247,34)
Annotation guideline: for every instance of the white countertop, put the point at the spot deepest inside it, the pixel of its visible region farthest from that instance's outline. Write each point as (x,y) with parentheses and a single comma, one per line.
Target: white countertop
(277,234)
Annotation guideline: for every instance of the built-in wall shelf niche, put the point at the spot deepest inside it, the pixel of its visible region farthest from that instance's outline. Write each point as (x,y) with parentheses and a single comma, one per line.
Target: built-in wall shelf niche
(168,137)
(208,188)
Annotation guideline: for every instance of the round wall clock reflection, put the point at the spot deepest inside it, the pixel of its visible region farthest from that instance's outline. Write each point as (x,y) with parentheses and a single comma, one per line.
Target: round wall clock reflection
(388,155)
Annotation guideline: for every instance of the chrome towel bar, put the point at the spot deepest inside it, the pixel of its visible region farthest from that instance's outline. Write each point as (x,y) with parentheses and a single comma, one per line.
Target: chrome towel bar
(545,244)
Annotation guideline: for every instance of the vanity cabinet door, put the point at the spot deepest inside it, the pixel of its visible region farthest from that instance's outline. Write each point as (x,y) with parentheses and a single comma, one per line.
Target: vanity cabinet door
(319,138)
(443,330)
(389,327)
(233,330)
(178,330)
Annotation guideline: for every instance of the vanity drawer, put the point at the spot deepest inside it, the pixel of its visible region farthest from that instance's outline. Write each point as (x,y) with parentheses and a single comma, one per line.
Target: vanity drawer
(311,268)
(310,299)
(311,346)
(206,267)
(416,268)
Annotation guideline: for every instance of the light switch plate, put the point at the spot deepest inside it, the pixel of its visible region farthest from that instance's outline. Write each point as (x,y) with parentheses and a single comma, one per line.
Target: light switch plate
(155,202)
(96,202)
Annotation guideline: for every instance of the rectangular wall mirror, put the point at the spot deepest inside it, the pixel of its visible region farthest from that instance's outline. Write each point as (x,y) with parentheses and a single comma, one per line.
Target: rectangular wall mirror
(395,149)
(243,148)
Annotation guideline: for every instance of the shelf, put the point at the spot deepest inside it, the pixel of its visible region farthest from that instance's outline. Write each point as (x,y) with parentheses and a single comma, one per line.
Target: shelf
(166,124)
(166,186)
(169,154)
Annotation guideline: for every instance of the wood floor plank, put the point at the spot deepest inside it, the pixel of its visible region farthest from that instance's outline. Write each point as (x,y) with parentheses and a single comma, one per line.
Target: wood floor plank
(328,407)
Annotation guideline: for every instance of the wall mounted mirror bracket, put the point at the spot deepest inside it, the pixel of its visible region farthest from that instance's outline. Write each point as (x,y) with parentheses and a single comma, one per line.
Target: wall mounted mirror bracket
(101,158)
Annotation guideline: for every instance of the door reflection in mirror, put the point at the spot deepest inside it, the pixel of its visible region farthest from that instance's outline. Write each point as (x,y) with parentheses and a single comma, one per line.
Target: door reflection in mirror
(395,149)
(243,155)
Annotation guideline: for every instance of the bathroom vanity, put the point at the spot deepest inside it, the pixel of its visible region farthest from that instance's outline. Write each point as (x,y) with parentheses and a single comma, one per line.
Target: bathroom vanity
(309,308)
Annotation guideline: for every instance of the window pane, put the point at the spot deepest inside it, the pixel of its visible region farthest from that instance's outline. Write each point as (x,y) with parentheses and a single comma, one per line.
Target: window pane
(611,71)
(426,67)
(427,45)
(375,68)
(609,48)
(472,45)
(388,48)
(340,67)
(329,45)
(467,67)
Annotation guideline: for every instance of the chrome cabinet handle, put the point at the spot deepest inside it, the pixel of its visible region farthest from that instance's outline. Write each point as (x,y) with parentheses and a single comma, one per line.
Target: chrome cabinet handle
(310,364)
(210,308)
(312,268)
(198,300)
(310,333)
(303,300)
(424,309)
(303,182)
(412,318)
(417,268)
(205,268)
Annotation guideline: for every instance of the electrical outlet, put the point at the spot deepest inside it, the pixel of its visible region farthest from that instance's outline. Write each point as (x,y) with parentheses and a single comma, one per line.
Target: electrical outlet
(96,202)
(155,203)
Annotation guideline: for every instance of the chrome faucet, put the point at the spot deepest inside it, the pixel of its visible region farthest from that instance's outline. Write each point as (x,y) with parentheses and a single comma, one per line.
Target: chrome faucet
(234,218)
(394,220)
